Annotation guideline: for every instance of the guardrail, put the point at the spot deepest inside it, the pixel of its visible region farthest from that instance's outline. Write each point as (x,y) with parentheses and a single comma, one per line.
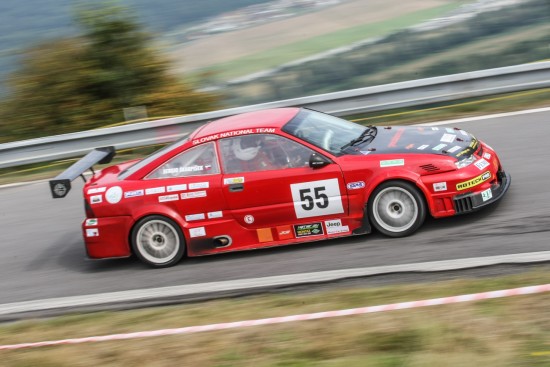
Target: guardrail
(383,97)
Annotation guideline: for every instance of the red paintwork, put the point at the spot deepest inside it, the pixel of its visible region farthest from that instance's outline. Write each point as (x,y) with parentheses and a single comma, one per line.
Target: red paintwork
(267,197)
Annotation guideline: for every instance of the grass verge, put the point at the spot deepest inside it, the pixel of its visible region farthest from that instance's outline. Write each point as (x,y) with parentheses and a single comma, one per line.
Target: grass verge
(512,331)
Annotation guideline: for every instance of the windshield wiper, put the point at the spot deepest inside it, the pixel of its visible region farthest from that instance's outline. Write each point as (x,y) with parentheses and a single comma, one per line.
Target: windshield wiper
(369,132)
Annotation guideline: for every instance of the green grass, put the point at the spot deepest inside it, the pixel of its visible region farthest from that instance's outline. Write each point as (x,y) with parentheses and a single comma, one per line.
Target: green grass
(297,50)
(512,331)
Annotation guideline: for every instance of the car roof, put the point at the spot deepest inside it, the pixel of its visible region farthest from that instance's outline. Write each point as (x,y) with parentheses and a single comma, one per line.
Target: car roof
(275,117)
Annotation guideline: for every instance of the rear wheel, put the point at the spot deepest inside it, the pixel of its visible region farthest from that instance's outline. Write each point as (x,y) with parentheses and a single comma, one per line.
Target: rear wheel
(397,208)
(158,241)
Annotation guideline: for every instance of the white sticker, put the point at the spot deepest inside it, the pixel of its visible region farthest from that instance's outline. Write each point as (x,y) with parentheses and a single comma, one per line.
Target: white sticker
(194,194)
(315,198)
(213,215)
(91,222)
(454,149)
(355,185)
(133,193)
(96,199)
(249,219)
(487,155)
(335,226)
(194,217)
(113,195)
(440,186)
(173,188)
(92,232)
(165,198)
(439,147)
(96,190)
(197,232)
(155,190)
(481,164)
(450,130)
(392,163)
(435,128)
(422,147)
(198,185)
(233,180)
(365,152)
(463,132)
(448,138)
(487,194)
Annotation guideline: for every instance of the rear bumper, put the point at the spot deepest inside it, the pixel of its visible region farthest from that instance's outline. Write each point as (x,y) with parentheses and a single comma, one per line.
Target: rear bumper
(471,202)
(107,237)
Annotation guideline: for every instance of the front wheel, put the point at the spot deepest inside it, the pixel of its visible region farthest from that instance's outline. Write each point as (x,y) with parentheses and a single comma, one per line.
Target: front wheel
(158,241)
(397,209)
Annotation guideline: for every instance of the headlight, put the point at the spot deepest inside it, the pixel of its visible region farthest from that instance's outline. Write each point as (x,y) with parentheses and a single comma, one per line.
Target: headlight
(465,162)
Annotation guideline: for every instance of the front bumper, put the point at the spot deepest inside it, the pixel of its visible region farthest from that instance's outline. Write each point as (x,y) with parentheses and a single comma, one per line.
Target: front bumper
(467,203)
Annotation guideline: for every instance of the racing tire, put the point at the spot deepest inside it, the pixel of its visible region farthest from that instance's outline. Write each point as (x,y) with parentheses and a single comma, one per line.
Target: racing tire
(397,208)
(158,241)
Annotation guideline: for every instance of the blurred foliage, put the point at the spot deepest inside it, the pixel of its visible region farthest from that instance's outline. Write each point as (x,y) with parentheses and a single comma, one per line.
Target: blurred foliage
(85,82)
(507,36)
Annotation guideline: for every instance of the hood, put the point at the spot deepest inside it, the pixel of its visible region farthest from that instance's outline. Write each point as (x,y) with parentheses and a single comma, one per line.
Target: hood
(420,139)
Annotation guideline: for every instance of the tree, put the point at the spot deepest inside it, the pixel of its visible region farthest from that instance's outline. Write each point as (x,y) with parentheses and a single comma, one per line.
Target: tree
(85,82)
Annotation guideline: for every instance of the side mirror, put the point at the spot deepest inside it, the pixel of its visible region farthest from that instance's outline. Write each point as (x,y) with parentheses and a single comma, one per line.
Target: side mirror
(318,161)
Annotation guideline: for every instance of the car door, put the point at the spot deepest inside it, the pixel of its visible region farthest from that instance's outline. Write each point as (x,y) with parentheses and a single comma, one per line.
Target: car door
(267,182)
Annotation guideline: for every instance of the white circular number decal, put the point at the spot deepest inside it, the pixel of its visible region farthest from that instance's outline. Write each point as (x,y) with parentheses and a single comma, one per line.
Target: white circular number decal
(113,194)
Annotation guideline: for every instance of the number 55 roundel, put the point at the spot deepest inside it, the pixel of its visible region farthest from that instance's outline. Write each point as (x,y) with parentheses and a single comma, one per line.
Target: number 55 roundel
(316,198)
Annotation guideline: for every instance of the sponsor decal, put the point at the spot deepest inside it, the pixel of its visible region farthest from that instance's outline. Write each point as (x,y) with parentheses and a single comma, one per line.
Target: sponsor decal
(392,163)
(92,232)
(454,149)
(439,147)
(199,185)
(96,190)
(133,194)
(259,130)
(481,164)
(473,182)
(264,234)
(487,155)
(249,219)
(191,217)
(176,170)
(165,198)
(155,190)
(213,215)
(435,128)
(315,198)
(173,188)
(335,226)
(113,194)
(193,194)
(306,230)
(355,185)
(197,232)
(91,222)
(486,194)
(440,186)
(284,233)
(422,147)
(96,199)
(233,180)
(448,138)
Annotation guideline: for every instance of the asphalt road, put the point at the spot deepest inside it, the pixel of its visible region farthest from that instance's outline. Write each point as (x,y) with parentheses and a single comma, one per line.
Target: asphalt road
(43,254)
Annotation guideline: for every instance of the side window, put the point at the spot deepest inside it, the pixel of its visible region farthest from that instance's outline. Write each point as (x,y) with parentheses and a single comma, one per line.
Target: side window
(197,161)
(262,152)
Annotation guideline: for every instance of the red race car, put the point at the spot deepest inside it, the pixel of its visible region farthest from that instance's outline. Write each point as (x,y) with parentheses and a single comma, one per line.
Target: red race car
(278,177)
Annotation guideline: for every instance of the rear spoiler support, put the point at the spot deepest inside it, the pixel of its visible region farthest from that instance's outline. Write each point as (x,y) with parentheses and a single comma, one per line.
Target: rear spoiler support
(61,184)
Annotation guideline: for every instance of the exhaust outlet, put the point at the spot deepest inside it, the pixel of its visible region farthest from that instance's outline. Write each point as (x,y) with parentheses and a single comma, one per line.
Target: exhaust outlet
(222,241)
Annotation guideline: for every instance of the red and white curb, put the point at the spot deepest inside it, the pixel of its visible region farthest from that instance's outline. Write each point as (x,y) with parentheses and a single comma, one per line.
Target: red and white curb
(285,319)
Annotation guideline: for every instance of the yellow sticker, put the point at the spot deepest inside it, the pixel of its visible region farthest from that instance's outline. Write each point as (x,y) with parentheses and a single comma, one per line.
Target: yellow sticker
(473,182)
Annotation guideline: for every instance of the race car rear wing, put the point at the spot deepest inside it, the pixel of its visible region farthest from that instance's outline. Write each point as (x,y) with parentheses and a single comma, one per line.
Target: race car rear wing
(61,185)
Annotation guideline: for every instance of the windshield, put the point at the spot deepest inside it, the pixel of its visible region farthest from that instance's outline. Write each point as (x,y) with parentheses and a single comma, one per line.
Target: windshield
(150,158)
(324,131)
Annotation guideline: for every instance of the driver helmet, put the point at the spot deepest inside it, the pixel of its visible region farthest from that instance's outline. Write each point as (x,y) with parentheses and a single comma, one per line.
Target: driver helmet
(246,147)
